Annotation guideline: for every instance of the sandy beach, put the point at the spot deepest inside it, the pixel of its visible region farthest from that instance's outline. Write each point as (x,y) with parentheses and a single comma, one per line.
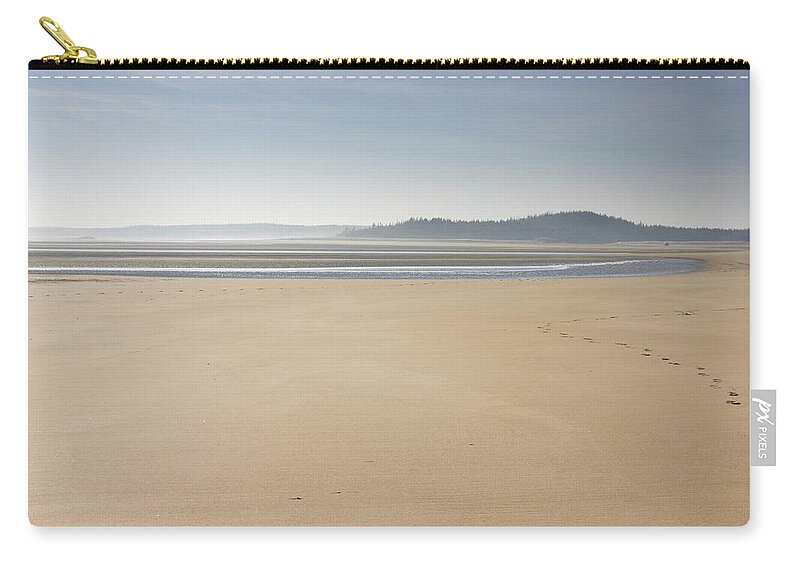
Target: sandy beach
(609,401)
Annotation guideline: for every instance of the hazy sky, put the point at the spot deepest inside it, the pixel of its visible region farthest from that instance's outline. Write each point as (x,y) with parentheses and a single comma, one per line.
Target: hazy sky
(112,152)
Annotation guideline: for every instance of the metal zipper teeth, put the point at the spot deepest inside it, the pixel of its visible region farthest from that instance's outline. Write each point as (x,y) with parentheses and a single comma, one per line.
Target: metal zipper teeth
(382,63)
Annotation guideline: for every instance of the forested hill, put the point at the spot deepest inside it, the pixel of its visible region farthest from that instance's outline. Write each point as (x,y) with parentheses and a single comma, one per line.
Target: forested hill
(566,227)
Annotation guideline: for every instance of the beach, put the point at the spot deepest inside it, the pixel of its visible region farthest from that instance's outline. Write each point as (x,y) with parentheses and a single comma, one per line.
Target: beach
(597,401)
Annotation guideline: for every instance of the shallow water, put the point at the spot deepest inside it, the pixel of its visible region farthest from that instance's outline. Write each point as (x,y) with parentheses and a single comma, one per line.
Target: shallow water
(628,267)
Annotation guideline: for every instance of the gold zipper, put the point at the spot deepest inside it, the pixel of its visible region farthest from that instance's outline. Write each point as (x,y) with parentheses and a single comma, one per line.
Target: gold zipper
(72,53)
(79,55)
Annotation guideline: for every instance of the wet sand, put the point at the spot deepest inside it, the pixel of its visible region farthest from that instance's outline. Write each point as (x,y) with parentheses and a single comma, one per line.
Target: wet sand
(347,253)
(614,401)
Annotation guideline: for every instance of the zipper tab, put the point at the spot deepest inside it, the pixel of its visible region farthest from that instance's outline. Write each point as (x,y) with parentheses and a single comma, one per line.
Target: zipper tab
(78,55)
(72,52)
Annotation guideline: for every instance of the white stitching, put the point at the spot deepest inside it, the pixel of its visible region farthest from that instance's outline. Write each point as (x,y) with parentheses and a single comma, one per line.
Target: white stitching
(394,77)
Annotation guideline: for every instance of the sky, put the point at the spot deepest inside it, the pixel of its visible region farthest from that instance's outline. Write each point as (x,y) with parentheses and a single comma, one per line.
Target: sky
(378,148)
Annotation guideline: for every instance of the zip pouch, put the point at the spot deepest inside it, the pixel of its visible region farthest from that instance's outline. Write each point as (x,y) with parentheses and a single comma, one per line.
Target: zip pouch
(381,292)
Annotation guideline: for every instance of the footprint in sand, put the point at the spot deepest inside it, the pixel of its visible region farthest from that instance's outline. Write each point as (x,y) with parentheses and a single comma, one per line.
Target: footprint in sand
(702,374)
(646,354)
(733,393)
(675,363)
(295,498)
(734,402)
(716,386)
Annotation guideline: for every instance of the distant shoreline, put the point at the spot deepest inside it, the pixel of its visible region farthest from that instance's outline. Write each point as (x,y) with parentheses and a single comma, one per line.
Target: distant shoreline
(561,227)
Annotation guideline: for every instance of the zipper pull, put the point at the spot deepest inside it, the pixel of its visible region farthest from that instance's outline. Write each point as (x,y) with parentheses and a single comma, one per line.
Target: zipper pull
(72,52)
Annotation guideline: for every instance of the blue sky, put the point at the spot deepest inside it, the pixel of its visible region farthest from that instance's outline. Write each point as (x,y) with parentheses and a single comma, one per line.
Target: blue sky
(112,152)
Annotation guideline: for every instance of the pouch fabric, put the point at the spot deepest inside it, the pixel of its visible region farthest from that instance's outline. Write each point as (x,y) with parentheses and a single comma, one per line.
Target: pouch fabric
(389,296)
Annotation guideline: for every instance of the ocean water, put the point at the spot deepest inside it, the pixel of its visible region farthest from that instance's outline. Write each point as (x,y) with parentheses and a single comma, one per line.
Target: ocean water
(560,270)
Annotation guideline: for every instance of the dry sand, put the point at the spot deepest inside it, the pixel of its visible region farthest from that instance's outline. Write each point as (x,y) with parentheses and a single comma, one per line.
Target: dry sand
(214,402)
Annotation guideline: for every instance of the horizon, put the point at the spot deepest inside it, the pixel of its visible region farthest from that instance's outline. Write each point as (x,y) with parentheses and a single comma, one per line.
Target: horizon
(396,222)
(308,152)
